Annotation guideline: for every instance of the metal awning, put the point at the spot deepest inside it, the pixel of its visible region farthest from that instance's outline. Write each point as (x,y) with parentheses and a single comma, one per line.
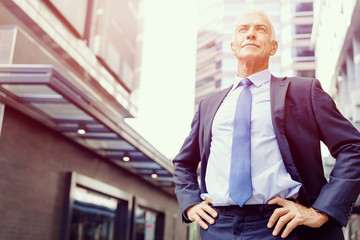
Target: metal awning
(45,94)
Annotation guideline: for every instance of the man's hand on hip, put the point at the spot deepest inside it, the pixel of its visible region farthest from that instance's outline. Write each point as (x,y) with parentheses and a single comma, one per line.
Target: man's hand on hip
(202,213)
(293,214)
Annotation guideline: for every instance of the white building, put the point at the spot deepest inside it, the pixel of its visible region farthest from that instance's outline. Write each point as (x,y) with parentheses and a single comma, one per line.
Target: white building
(336,41)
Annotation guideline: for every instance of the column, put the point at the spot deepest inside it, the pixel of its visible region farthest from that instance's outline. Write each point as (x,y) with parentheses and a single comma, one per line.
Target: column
(342,90)
(2,111)
(356,53)
(356,92)
(350,82)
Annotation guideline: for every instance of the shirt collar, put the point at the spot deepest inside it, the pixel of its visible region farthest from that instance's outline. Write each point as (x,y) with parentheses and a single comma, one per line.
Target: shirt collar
(257,79)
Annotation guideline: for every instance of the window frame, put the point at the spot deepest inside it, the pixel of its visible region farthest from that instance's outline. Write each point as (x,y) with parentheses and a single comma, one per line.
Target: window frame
(74,179)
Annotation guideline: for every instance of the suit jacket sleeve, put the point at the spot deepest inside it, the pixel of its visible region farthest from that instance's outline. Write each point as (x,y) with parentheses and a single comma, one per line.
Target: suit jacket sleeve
(185,169)
(338,196)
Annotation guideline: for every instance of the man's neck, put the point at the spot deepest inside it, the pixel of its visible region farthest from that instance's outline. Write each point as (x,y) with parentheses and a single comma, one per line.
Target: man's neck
(246,69)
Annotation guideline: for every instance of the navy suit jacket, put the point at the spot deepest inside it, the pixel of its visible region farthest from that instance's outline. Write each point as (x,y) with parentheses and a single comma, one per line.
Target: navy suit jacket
(303,115)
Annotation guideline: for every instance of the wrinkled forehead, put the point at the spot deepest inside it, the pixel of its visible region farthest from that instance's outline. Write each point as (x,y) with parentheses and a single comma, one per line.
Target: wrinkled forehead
(252,19)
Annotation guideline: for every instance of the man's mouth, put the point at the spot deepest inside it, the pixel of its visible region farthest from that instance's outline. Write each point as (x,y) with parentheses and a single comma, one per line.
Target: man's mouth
(250,45)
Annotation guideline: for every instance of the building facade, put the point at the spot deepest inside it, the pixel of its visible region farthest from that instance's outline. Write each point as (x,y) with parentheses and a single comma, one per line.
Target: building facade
(297,56)
(336,41)
(71,168)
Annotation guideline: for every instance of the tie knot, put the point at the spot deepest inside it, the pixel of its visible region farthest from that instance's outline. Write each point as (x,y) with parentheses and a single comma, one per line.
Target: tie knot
(245,82)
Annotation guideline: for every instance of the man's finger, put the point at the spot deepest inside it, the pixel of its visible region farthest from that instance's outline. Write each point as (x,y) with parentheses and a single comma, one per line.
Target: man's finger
(202,214)
(205,216)
(279,212)
(277,200)
(210,211)
(289,227)
(208,201)
(281,223)
(199,221)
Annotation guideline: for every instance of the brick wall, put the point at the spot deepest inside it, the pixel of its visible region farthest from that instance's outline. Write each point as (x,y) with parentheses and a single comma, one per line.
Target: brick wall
(33,162)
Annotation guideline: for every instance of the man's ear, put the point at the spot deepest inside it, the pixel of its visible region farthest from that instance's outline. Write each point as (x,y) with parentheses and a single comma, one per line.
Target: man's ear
(232,48)
(274,47)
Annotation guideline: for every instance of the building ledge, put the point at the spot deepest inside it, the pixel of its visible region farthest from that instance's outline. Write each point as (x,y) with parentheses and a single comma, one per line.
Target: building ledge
(45,94)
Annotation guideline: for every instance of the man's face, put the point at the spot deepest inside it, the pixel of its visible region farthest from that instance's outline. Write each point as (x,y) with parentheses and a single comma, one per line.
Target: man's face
(252,39)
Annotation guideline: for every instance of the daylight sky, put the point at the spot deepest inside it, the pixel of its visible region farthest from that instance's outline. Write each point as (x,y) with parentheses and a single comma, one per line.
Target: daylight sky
(166,97)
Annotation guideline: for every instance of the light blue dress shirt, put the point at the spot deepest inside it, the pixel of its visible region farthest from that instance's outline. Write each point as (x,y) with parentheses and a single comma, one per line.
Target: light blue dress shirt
(269,175)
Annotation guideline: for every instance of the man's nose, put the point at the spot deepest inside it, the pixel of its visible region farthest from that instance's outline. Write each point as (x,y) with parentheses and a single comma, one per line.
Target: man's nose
(251,33)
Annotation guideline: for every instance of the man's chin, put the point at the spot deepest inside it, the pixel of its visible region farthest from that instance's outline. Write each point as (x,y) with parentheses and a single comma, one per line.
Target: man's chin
(249,56)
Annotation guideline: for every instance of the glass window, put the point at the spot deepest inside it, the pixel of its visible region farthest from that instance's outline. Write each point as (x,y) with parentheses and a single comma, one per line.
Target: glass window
(93,215)
(113,38)
(204,81)
(91,221)
(97,216)
(303,29)
(304,7)
(149,224)
(303,52)
(75,15)
(306,73)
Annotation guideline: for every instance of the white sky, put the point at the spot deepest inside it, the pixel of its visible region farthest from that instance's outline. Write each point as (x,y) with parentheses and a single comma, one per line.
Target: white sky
(166,97)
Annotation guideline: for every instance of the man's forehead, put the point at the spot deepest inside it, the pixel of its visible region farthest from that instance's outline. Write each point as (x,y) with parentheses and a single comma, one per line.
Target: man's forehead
(252,19)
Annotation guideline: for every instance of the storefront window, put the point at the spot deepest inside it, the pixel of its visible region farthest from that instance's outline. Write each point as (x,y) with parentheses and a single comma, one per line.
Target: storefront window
(96,216)
(149,225)
(93,215)
(90,221)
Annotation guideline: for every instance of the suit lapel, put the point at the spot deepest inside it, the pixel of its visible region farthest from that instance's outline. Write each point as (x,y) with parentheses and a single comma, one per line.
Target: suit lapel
(211,108)
(278,91)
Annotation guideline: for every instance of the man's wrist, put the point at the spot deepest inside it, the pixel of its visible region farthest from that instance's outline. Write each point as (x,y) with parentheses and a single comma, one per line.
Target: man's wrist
(324,214)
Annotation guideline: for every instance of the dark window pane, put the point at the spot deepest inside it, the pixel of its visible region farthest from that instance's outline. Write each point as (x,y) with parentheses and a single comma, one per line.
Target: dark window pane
(303,29)
(139,224)
(149,224)
(97,216)
(303,52)
(304,7)
(90,221)
(306,73)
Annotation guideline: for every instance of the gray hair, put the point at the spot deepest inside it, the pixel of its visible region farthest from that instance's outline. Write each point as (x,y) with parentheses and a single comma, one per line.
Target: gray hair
(250,11)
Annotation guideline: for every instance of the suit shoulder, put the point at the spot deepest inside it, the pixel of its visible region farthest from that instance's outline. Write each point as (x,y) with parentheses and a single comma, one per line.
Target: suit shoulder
(213,96)
(301,80)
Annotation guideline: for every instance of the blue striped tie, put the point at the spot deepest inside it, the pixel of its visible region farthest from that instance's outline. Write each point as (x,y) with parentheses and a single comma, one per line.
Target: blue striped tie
(240,188)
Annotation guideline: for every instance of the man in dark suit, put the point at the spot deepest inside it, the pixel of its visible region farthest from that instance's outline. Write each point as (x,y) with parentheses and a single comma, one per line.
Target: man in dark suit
(273,146)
